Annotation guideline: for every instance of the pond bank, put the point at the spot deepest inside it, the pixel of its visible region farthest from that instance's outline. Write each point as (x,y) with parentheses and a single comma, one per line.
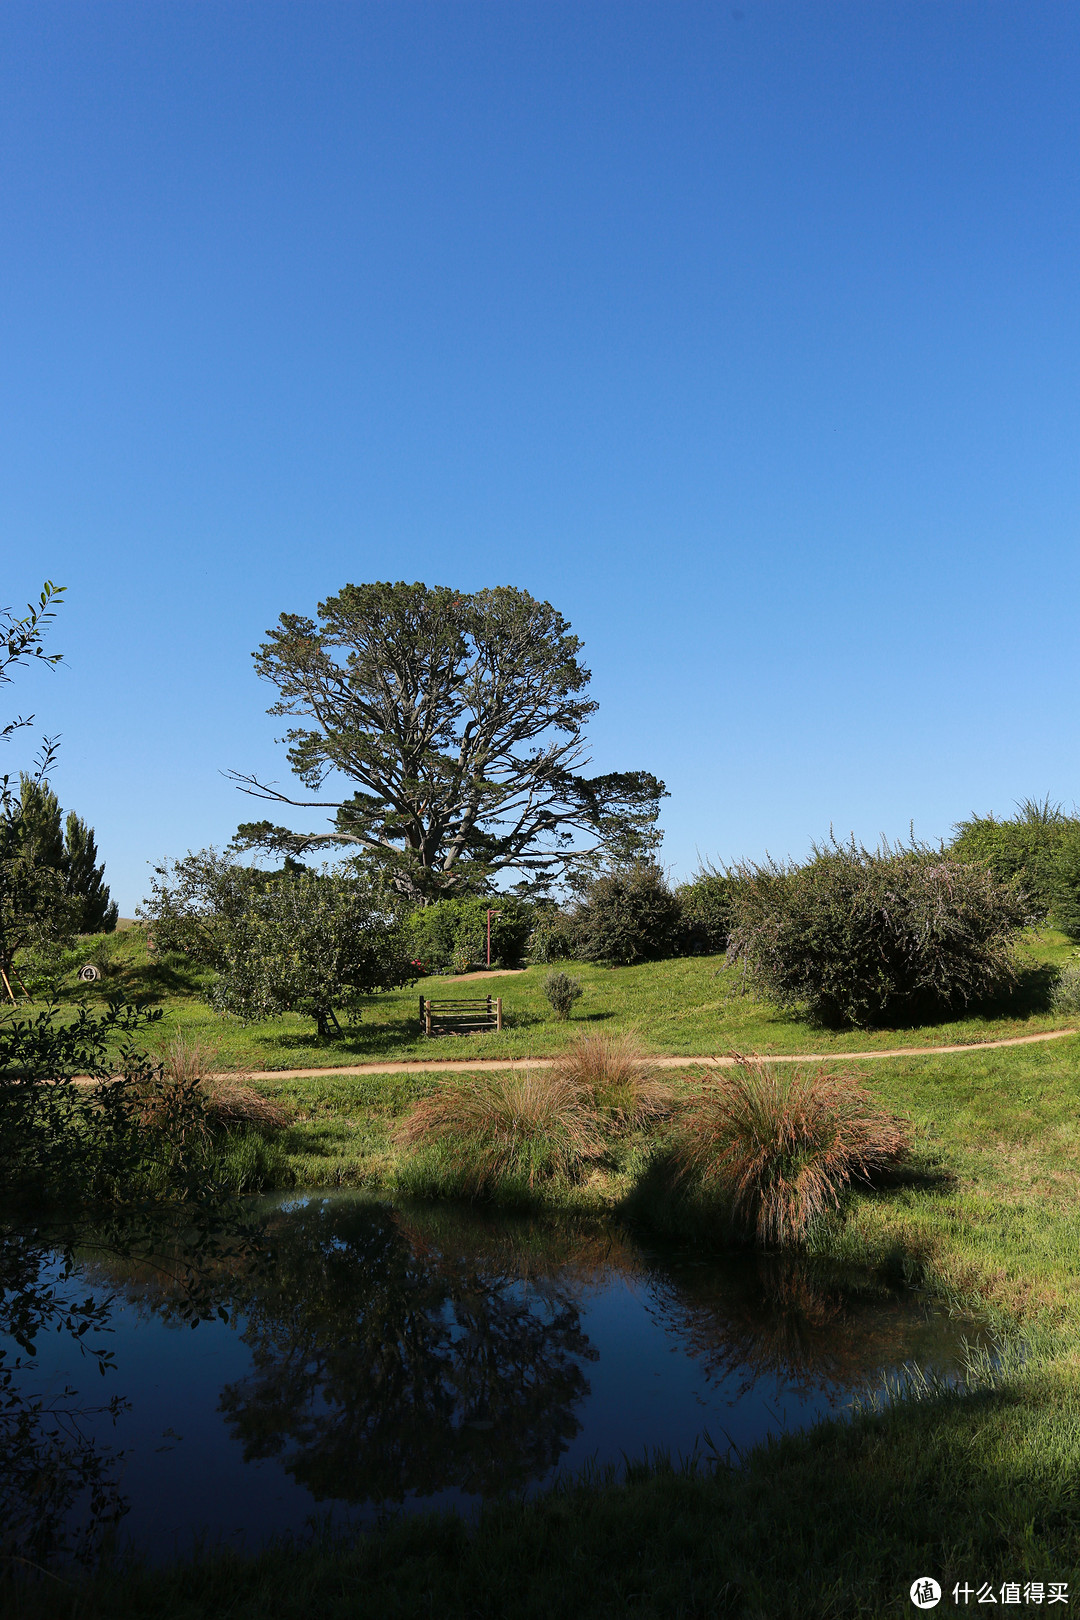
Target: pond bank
(838,1522)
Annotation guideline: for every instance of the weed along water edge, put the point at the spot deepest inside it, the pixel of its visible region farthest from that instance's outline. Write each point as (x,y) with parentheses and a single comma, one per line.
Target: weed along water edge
(400,1356)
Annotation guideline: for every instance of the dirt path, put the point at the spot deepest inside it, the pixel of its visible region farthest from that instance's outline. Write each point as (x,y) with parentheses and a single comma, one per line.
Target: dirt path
(485,973)
(480,1065)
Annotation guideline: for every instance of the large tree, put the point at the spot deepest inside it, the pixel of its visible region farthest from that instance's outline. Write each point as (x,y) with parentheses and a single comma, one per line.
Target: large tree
(461,719)
(67,848)
(85,877)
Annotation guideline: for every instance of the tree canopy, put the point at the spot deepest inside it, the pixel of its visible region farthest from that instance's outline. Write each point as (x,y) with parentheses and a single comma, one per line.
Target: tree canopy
(84,878)
(50,886)
(310,942)
(460,718)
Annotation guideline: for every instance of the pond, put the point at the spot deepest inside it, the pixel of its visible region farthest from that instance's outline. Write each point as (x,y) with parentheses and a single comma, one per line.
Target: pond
(367,1358)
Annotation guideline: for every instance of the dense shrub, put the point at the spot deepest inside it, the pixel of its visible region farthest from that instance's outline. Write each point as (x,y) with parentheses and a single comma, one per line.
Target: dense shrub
(626,916)
(450,936)
(1065,996)
(1065,904)
(552,936)
(145,1131)
(776,1145)
(1026,849)
(562,991)
(858,937)
(705,912)
(488,1131)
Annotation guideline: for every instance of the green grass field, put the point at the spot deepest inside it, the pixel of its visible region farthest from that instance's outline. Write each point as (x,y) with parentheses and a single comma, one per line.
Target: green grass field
(689,1006)
(972,1486)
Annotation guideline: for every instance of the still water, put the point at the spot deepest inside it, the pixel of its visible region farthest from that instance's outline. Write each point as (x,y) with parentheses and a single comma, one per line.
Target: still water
(390,1358)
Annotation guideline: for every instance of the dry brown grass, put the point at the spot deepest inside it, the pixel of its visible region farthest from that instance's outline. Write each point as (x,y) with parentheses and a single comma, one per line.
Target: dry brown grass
(623,1084)
(781,1143)
(527,1126)
(190,1066)
(188,1059)
(234,1106)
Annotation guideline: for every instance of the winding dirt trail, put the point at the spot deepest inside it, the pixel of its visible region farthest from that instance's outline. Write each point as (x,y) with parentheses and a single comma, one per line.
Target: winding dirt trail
(488,1066)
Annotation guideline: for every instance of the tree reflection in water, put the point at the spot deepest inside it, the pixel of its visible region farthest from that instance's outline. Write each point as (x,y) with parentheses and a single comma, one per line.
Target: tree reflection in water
(388,1361)
(778,1318)
(403,1351)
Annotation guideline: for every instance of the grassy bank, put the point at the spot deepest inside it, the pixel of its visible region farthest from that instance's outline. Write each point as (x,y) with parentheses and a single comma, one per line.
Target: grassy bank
(689,1006)
(970,1487)
(993,1193)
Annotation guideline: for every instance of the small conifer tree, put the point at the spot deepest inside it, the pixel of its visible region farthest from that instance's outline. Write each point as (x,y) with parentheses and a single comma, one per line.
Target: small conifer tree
(85,879)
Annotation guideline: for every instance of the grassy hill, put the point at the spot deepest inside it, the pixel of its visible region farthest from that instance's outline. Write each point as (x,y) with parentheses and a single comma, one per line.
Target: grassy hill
(688,1005)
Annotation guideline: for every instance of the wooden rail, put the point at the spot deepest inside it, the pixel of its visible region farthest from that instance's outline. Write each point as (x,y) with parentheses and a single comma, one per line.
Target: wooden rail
(460,1015)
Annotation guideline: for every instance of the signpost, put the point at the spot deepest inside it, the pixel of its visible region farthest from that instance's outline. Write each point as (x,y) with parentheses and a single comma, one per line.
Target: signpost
(489,917)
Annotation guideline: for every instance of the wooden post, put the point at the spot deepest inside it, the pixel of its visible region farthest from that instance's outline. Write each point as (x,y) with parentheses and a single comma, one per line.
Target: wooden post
(498,1013)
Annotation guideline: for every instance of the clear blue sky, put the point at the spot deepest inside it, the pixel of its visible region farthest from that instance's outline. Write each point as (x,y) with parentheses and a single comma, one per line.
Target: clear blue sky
(745,334)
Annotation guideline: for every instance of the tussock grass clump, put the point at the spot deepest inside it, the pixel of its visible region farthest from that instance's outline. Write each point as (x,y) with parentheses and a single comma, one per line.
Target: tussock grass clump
(188,1059)
(191,1066)
(617,1075)
(780,1143)
(489,1129)
(233,1106)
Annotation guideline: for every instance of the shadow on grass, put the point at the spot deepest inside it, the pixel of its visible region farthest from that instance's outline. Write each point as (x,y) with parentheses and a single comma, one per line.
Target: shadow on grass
(356,1040)
(911,1177)
(1032,993)
(391,1038)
